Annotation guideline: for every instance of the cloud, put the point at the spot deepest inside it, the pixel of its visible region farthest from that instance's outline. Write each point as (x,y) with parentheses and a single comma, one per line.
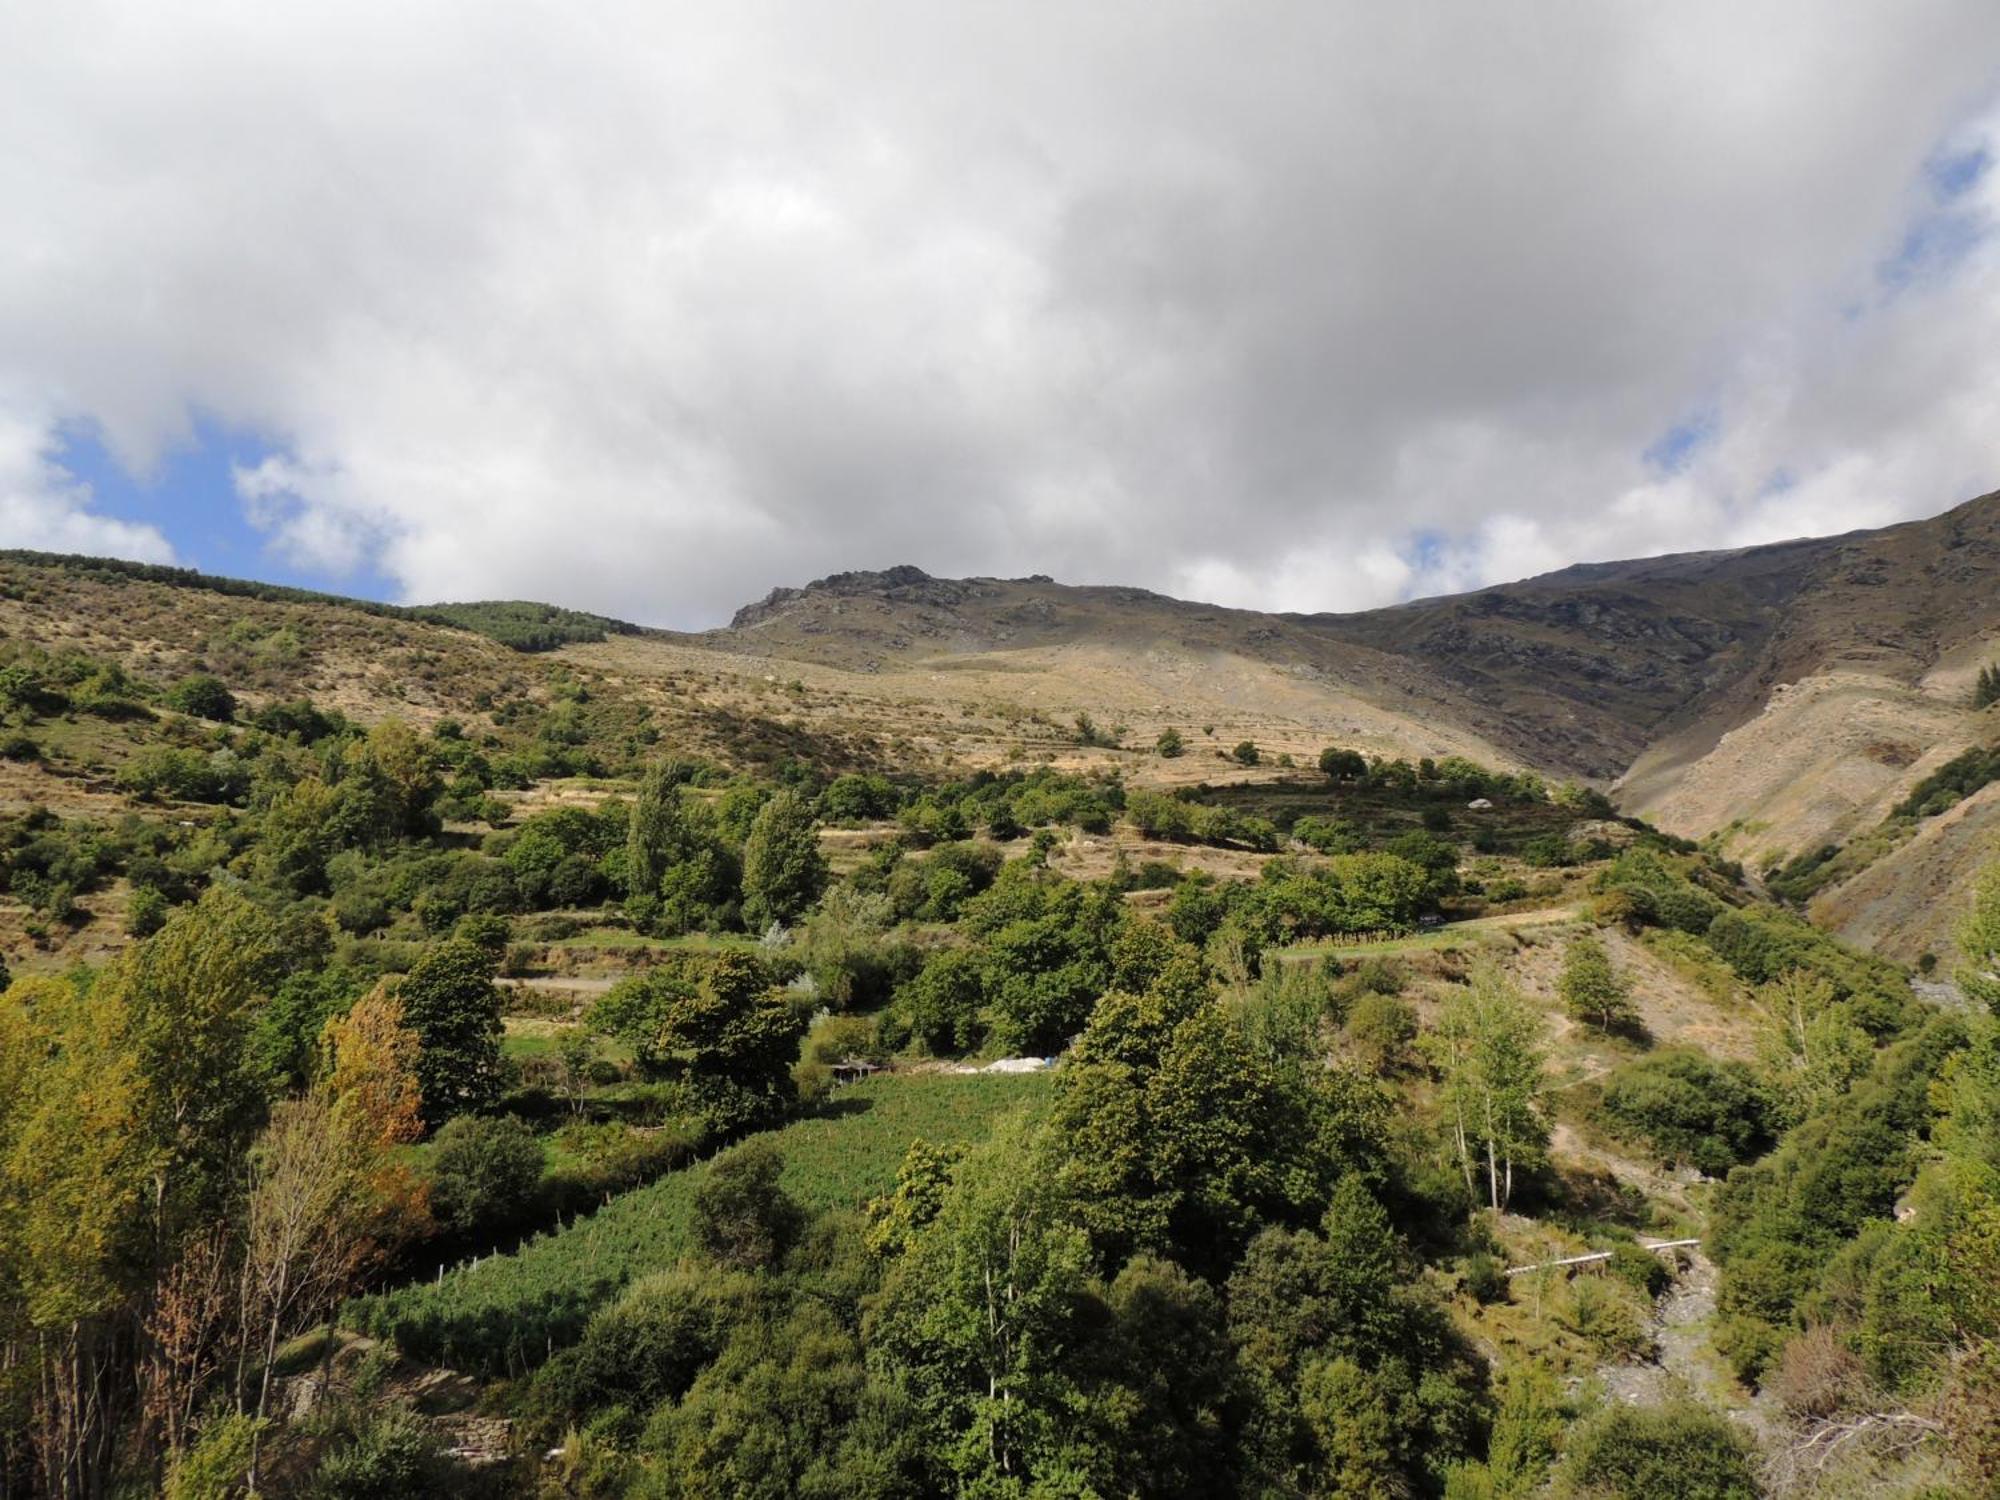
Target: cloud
(44,508)
(646,308)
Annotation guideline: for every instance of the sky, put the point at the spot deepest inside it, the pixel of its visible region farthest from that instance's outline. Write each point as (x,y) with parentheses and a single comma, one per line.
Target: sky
(647,308)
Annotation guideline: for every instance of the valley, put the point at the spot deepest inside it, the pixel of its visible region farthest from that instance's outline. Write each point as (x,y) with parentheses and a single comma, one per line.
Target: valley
(1243,995)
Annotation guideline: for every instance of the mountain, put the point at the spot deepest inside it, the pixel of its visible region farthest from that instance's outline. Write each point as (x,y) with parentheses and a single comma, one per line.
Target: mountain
(1780,698)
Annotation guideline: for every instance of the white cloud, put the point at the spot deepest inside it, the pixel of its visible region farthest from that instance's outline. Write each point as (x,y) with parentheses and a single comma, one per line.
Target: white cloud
(44,508)
(649,307)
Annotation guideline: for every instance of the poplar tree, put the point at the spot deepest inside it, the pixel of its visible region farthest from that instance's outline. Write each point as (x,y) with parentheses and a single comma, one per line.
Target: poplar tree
(1488,1048)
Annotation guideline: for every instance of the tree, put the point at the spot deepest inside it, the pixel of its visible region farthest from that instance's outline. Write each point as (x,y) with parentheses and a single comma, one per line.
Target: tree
(78,1169)
(374,1075)
(657,834)
(783,869)
(449,1000)
(1169,745)
(743,1218)
(1986,691)
(1246,753)
(717,1023)
(389,779)
(203,696)
(324,1202)
(678,875)
(1811,1050)
(942,1004)
(1487,1047)
(975,1318)
(485,1171)
(1979,941)
(1337,764)
(189,996)
(1591,989)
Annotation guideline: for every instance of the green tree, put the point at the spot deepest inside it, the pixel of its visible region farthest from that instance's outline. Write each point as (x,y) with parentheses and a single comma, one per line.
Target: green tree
(717,1023)
(1487,1047)
(1246,753)
(743,1218)
(1979,941)
(203,696)
(942,1004)
(975,1319)
(485,1172)
(189,996)
(1986,691)
(1168,745)
(1337,764)
(450,1001)
(1591,989)
(1811,1050)
(656,835)
(1527,1431)
(783,869)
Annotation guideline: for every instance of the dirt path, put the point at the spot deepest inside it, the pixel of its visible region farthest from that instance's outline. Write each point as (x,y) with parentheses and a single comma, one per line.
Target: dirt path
(561,984)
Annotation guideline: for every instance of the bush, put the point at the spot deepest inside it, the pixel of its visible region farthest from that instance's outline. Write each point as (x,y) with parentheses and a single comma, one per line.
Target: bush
(485,1173)
(1818,1376)
(1381,1027)
(215,1467)
(1690,1109)
(19,747)
(1485,1279)
(1678,1450)
(203,696)
(838,1038)
(1246,753)
(645,1348)
(1639,1267)
(390,1455)
(743,1219)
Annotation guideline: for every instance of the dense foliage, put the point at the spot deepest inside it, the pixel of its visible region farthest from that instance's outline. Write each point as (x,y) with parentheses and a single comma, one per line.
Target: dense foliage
(1237,1225)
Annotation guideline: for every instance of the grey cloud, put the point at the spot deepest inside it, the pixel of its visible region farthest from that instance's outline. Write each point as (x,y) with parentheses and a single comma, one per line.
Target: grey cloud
(647,308)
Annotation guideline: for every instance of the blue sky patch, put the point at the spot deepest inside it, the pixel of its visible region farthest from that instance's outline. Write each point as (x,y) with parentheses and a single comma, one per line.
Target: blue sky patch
(191,497)
(1673,450)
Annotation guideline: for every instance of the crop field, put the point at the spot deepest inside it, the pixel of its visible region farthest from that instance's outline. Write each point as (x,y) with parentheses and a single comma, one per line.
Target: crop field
(509,1312)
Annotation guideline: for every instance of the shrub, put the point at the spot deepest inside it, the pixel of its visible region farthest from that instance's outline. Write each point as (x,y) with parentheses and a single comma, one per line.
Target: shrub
(838,1038)
(1246,753)
(743,1219)
(1690,1108)
(1639,1267)
(146,912)
(215,1466)
(1169,745)
(1818,1376)
(390,1455)
(1679,1450)
(647,1347)
(1485,1279)
(485,1173)
(1381,1027)
(203,696)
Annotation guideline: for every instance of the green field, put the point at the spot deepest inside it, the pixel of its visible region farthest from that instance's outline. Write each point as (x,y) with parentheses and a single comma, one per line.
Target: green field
(509,1312)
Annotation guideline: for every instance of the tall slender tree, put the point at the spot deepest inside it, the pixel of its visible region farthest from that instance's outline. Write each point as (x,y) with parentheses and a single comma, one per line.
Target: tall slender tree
(1488,1048)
